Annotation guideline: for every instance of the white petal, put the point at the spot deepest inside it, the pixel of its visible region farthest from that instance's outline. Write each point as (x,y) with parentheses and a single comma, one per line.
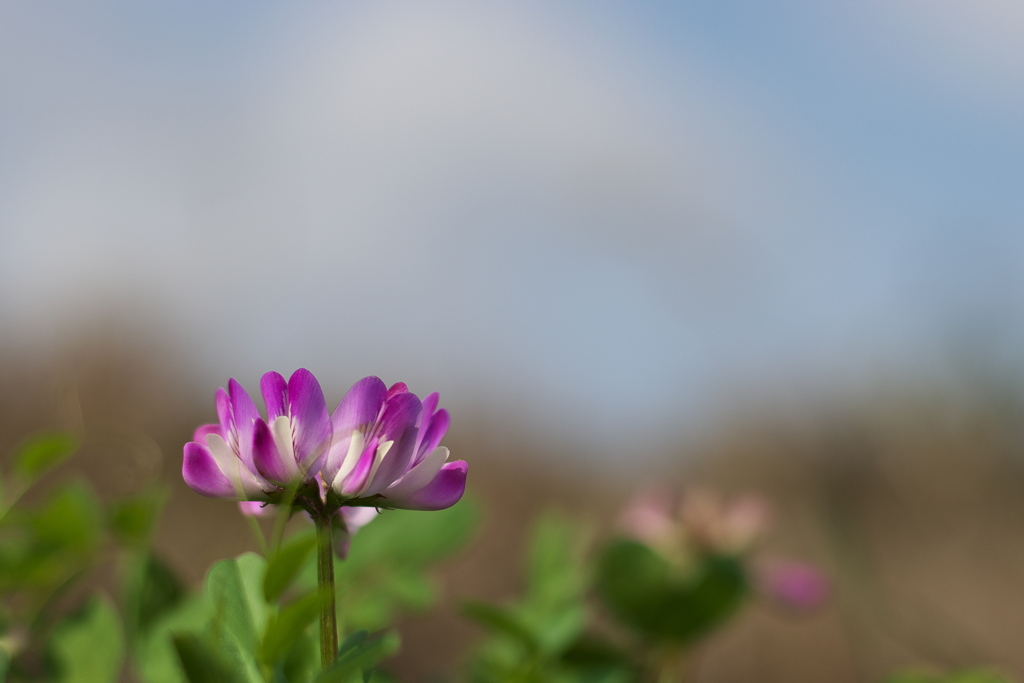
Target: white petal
(244,481)
(355,449)
(378,458)
(282,431)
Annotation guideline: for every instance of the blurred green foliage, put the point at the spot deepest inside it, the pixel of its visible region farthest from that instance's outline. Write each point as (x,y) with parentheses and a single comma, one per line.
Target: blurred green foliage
(544,636)
(387,568)
(665,602)
(969,676)
(89,647)
(252,621)
(614,612)
(257,619)
(47,552)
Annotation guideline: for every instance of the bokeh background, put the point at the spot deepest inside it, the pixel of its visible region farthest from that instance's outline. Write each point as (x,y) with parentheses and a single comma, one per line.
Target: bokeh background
(759,246)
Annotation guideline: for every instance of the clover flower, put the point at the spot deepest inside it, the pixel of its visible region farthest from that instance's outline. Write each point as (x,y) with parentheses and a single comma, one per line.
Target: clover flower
(380,448)
(245,457)
(698,521)
(386,452)
(701,523)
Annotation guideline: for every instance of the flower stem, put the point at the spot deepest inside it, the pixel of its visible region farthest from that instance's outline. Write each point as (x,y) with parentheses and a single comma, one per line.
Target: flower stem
(325,580)
(284,513)
(257,533)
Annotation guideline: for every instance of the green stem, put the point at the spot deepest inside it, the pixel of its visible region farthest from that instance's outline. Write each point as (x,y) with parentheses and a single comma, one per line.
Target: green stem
(257,533)
(284,513)
(325,580)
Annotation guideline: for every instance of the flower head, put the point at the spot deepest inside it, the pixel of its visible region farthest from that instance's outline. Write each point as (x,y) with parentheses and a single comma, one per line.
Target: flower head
(245,457)
(689,528)
(698,521)
(380,448)
(386,451)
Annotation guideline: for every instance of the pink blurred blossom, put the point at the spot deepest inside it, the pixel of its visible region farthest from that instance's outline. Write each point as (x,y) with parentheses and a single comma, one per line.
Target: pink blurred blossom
(796,586)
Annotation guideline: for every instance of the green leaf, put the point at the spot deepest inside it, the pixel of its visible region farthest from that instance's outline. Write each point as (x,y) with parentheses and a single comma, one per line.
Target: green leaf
(90,647)
(352,641)
(46,547)
(302,661)
(201,662)
(132,520)
(70,521)
(233,588)
(413,538)
(555,570)
(42,453)
(502,621)
(968,676)
(155,591)
(376,676)
(251,569)
(597,660)
(358,655)
(554,608)
(285,565)
(387,569)
(154,654)
(652,596)
(286,626)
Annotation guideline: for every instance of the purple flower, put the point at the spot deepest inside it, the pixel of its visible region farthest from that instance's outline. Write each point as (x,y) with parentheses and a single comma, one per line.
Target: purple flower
(386,453)
(379,449)
(245,457)
(253,508)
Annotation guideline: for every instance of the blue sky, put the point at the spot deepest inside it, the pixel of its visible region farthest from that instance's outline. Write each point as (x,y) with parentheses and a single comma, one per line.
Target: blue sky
(602,218)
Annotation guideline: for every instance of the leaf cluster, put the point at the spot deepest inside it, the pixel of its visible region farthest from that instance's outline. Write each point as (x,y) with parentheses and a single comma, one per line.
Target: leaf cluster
(547,635)
(255,620)
(605,616)
(50,550)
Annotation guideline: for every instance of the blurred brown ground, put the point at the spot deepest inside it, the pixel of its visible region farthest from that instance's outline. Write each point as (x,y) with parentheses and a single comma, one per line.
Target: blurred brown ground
(913,502)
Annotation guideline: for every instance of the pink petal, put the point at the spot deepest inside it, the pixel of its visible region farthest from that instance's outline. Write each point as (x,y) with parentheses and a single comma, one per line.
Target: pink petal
(244,414)
(400,414)
(395,464)
(268,459)
(275,394)
(254,508)
(361,405)
(444,491)
(358,409)
(397,388)
(357,478)
(199,436)
(431,435)
(311,423)
(223,403)
(200,472)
